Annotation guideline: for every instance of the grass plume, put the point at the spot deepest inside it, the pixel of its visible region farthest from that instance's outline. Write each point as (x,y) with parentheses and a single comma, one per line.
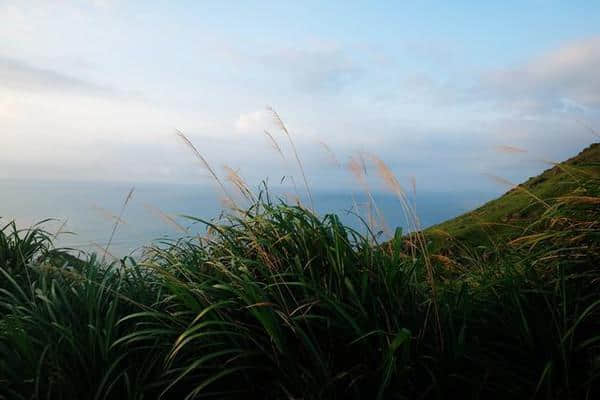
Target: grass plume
(118,220)
(281,125)
(168,219)
(204,163)
(510,149)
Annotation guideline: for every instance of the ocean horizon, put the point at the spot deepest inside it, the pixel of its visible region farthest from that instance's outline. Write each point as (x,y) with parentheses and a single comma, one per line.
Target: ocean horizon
(86,212)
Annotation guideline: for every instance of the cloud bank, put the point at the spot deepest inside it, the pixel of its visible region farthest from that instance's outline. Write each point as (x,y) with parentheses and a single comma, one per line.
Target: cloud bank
(66,112)
(549,82)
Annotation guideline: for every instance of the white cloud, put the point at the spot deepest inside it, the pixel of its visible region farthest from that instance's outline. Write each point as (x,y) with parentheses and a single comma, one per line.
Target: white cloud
(253,122)
(545,83)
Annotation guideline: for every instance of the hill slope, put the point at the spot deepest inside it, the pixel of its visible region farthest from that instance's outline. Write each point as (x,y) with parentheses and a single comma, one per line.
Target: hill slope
(568,190)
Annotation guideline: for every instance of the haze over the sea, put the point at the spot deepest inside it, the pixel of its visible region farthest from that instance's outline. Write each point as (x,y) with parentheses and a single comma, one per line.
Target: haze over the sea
(84,214)
(446,94)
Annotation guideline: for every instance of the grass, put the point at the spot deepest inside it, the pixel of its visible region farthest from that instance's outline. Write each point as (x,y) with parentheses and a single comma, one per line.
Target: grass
(574,181)
(277,302)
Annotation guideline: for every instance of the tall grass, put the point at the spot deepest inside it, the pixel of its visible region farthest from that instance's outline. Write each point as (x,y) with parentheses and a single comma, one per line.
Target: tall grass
(280,303)
(285,130)
(118,220)
(277,302)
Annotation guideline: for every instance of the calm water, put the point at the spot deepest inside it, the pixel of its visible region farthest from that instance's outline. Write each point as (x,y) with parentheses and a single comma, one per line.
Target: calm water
(90,209)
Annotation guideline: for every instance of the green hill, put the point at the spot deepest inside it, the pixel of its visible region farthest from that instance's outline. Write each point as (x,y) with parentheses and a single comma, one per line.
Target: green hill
(567,192)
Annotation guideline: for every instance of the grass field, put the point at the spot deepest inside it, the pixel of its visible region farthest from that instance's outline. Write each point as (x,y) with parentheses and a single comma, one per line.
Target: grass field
(279,303)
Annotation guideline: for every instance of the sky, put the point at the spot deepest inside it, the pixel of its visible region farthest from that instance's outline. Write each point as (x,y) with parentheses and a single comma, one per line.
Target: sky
(446,93)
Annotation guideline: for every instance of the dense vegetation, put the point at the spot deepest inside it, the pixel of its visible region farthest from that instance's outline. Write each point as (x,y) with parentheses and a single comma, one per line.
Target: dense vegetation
(277,302)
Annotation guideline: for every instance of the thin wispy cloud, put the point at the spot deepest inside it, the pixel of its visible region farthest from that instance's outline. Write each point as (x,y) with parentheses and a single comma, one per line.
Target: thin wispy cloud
(21,76)
(548,81)
(316,69)
(419,86)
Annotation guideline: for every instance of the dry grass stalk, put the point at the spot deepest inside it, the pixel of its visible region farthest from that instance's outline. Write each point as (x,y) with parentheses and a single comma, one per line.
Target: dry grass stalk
(104,251)
(227,202)
(572,171)
(521,188)
(357,170)
(447,262)
(510,149)
(331,154)
(165,218)
(356,165)
(274,144)
(60,228)
(580,199)
(589,128)
(108,215)
(393,184)
(277,148)
(297,194)
(293,198)
(281,125)
(203,161)
(395,187)
(240,184)
(413,184)
(114,230)
(527,238)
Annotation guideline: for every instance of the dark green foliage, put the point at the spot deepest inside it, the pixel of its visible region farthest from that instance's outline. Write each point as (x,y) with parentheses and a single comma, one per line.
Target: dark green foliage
(19,247)
(277,302)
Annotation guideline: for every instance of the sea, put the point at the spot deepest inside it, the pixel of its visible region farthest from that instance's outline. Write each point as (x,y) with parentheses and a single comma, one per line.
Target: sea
(83,215)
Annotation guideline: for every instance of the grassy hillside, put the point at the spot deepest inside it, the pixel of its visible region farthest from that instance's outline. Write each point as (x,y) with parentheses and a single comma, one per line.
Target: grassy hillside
(568,190)
(279,303)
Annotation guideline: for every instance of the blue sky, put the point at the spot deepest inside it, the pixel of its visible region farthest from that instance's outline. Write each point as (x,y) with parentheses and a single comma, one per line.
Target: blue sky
(93,90)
